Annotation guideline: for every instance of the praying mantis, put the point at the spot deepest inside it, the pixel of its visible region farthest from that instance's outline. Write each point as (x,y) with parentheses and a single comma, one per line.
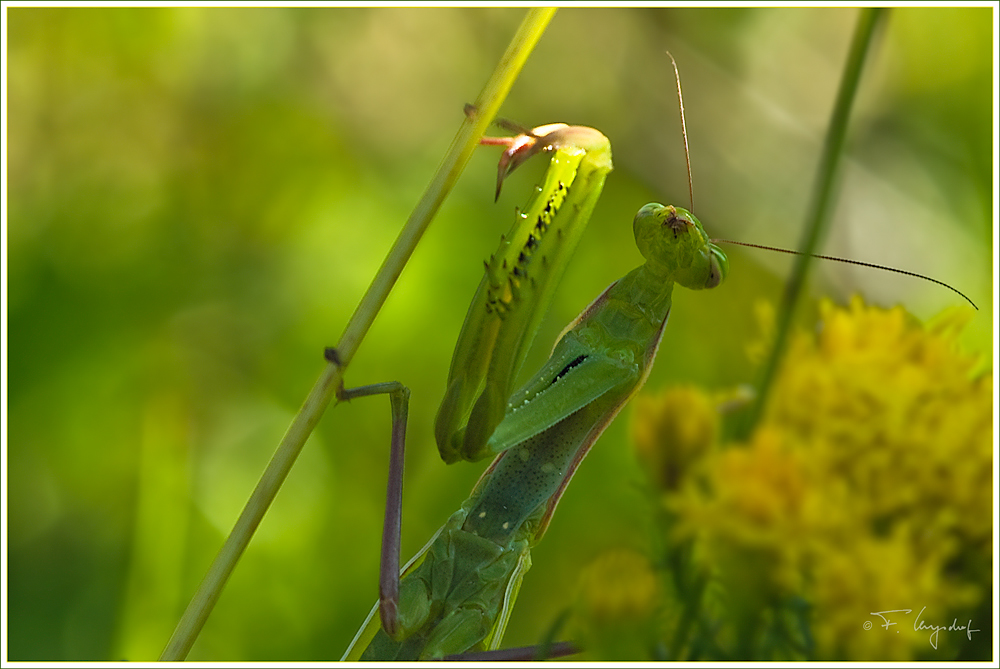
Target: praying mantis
(457,594)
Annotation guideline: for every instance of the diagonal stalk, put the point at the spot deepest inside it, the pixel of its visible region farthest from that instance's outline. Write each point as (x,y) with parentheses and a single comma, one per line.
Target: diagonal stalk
(323,391)
(821,206)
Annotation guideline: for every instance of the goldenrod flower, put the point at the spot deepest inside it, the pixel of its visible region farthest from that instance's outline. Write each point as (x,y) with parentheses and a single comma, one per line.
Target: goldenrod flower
(617,611)
(755,499)
(867,487)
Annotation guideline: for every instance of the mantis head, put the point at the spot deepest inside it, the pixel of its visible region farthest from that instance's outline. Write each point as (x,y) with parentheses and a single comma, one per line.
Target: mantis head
(675,246)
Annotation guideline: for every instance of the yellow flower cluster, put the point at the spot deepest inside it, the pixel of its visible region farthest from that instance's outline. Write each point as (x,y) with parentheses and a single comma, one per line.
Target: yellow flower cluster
(867,488)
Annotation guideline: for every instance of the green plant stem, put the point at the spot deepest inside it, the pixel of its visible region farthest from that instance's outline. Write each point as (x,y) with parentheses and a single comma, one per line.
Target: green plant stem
(488,103)
(824,197)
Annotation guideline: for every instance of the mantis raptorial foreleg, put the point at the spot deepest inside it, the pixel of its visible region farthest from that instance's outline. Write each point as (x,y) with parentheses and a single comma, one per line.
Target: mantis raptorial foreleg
(520,281)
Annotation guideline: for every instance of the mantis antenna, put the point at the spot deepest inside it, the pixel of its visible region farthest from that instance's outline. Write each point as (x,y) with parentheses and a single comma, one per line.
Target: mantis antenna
(850,262)
(684,133)
(687,157)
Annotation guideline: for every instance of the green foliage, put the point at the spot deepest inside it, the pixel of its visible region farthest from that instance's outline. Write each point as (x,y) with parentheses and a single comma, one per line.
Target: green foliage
(197,199)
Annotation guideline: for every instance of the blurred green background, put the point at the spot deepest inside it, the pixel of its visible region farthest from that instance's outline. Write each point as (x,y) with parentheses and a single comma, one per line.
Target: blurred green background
(199,197)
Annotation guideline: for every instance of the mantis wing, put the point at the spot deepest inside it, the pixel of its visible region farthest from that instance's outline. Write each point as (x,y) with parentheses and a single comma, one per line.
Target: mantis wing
(573,378)
(550,396)
(495,637)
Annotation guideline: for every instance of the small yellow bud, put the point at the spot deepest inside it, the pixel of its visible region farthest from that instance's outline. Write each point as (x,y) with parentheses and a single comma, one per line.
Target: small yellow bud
(620,597)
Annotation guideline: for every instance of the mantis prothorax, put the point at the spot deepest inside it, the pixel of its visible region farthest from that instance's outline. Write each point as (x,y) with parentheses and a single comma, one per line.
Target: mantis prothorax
(456,595)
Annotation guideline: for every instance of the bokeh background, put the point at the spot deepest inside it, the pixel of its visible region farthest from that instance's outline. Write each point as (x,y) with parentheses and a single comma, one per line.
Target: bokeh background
(199,197)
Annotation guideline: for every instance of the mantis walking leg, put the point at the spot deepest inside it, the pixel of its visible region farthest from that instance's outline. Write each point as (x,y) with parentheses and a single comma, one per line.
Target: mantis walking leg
(399,399)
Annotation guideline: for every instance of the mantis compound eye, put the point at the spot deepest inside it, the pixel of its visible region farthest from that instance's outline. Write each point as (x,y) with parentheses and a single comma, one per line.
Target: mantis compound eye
(718,267)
